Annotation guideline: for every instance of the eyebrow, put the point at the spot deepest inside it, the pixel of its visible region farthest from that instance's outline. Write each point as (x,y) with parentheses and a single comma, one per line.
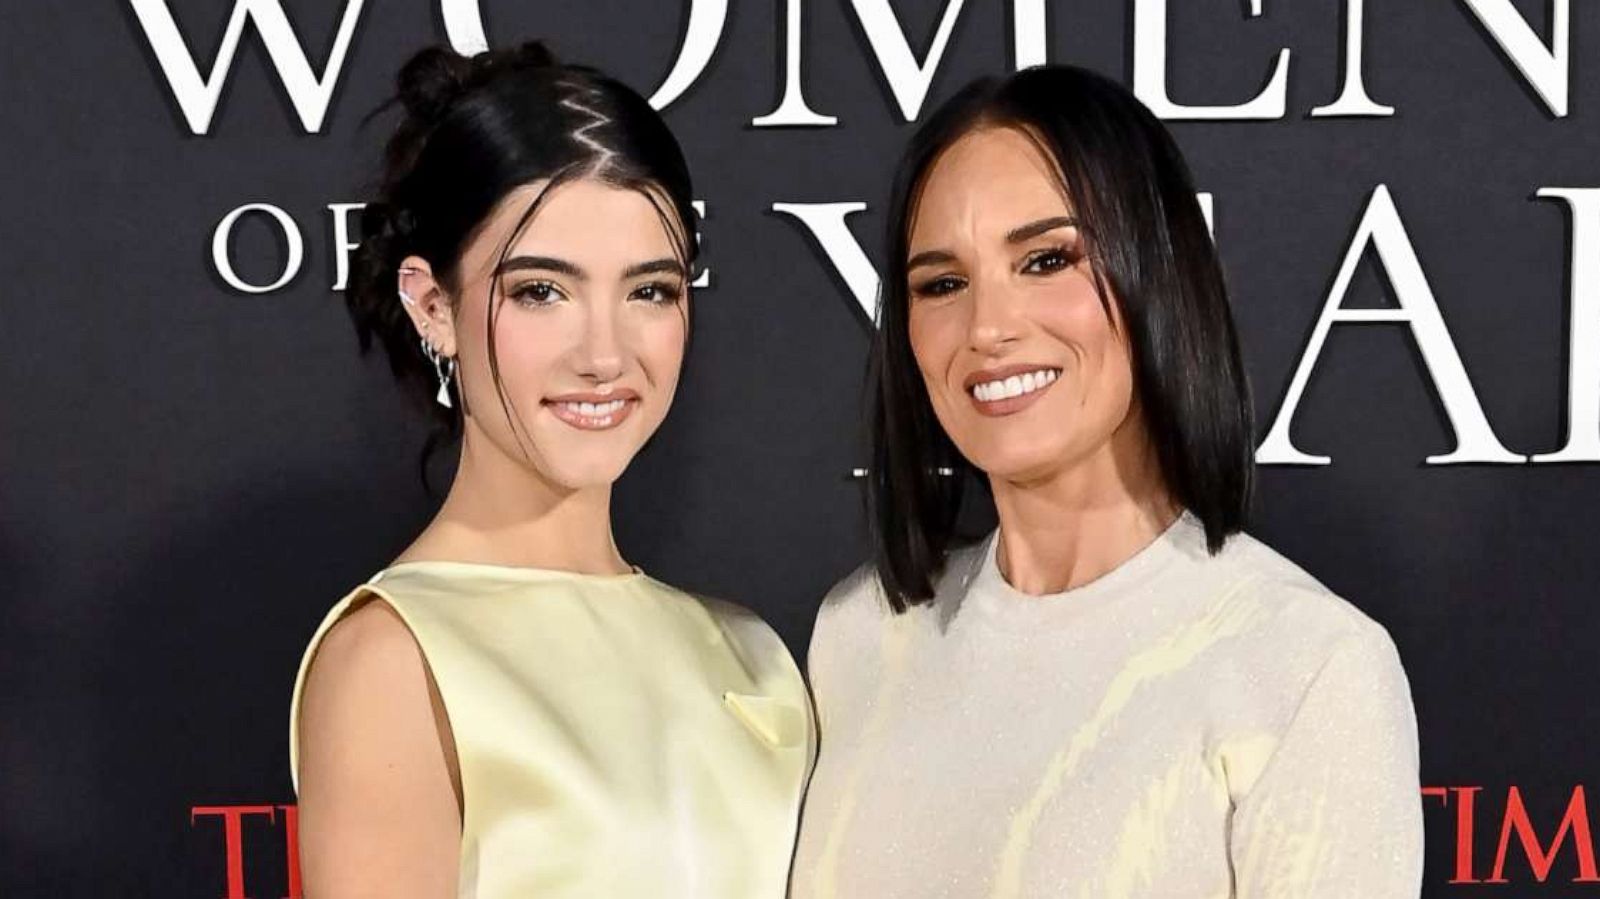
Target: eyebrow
(541,263)
(563,267)
(654,266)
(1019,234)
(1031,230)
(929,257)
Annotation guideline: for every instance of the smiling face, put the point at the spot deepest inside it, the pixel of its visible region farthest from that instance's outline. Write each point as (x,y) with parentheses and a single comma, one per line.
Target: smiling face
(590,320)
(1028,370)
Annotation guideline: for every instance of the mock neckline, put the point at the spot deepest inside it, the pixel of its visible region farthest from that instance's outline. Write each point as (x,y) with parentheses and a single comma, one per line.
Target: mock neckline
(506,572)
(1003,605)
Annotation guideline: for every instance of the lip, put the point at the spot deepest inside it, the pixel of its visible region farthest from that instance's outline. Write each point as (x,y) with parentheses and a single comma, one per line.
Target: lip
(562,407)
(1010,405)
(594,396)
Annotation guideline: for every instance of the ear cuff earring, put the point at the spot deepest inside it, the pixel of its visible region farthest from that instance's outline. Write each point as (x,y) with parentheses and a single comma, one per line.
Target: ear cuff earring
(444,367)
(406,297)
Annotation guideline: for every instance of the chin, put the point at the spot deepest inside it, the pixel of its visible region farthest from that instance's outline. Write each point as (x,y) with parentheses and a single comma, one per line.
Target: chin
(1016,463)
(587,474)
(1015,469)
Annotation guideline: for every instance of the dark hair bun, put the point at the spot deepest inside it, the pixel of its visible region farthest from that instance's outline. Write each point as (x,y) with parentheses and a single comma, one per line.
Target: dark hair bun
(432,80)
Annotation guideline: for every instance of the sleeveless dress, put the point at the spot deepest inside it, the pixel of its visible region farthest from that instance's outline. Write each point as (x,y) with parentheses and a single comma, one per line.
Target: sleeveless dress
(615,736)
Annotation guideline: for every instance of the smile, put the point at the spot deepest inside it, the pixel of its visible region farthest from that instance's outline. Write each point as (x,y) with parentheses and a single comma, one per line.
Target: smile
(591,416)
(1013,386)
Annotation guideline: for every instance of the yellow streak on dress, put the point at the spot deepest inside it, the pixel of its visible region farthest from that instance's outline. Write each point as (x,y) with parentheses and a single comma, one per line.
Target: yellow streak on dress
(895,651)
(1228,616)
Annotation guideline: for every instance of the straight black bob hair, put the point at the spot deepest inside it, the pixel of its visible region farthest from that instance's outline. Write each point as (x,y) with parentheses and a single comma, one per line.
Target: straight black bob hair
(1151,254)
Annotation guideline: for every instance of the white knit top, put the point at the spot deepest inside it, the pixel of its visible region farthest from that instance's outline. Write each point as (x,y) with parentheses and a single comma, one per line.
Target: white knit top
(1187,725)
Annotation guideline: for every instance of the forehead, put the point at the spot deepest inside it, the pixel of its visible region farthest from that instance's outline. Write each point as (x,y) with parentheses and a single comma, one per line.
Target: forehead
(993,177)
(586,221)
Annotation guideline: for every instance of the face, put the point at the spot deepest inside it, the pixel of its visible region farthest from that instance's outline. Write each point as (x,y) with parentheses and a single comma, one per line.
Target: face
(591,316)
(1027,370)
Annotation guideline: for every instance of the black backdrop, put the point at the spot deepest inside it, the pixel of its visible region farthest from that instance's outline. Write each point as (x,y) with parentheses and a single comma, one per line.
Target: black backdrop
(193,471)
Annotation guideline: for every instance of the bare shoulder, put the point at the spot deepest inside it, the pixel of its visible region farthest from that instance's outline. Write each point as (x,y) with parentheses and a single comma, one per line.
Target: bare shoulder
(378,807)
(367,674)
(371,640)
(367,686)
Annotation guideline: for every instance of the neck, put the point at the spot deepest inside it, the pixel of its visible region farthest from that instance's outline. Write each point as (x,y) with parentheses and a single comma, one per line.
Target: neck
(1076,524)
(501,512)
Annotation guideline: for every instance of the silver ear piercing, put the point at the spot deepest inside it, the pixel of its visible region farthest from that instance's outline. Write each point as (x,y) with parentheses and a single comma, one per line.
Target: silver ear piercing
(444,367)
(406,297)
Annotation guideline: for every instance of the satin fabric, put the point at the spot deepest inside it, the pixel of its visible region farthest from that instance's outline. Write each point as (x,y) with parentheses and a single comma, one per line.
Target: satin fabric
(615,736)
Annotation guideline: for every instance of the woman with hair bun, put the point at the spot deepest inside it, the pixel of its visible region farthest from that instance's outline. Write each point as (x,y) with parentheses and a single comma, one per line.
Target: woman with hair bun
(510,709)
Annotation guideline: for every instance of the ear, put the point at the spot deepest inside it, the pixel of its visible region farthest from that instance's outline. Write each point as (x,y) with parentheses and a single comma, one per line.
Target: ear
(427,304)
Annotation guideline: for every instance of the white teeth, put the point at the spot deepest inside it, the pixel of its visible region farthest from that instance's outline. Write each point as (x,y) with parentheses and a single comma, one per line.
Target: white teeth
(1014,386)
(594,410)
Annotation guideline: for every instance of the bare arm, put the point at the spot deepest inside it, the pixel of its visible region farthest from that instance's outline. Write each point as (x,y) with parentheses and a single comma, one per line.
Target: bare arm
(379,813)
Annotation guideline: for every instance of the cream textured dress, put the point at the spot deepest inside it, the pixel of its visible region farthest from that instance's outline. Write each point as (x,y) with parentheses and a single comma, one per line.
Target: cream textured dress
(615,736)
(1185,726)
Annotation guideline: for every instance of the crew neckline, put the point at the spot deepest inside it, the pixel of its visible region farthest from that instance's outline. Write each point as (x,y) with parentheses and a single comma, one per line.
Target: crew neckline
(1000,604)
(519,572)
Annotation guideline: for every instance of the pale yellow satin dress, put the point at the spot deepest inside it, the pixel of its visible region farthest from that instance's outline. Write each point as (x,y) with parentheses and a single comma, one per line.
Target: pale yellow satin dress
(616,737)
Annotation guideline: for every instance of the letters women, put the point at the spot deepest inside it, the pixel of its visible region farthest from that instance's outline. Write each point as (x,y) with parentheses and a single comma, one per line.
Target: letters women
(509,709)
(1116,693)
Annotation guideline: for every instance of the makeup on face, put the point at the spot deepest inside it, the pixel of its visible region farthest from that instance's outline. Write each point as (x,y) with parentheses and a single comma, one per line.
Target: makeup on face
(606,405)
(575,332)
(1016,344)
(597,410)
(1009,389)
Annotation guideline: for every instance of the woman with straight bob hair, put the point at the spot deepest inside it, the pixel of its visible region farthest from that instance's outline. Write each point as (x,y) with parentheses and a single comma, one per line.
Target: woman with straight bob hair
(1117,692)
(509,709)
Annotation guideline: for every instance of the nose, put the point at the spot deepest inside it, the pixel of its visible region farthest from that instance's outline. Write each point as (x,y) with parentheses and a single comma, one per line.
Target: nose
(600,352)
(995,324)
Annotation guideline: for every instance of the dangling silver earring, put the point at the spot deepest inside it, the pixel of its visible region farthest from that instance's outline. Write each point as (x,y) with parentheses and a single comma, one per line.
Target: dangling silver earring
(445,368)
(443,396)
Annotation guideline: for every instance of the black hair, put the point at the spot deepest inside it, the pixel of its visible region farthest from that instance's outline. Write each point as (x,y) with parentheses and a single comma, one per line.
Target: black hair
(472,130)
(1150,252)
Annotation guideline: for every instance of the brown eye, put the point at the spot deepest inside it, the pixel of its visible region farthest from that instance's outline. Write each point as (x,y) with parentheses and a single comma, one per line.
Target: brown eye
(938,287)
(536,293)
(657,292)
(1048,261)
